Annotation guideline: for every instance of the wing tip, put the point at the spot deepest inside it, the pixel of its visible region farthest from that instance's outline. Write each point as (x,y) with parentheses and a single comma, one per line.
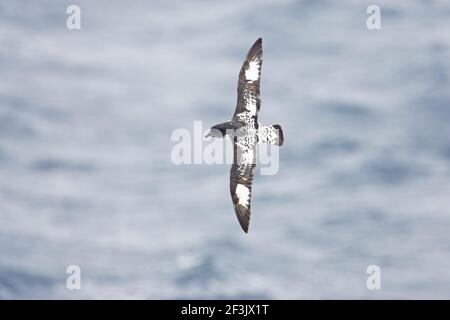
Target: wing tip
(244,227)
(245,224)
(256,49)
(258,43)
(243,216)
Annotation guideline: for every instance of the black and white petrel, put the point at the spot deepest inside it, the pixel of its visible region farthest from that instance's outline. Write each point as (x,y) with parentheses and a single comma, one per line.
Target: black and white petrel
(246,132)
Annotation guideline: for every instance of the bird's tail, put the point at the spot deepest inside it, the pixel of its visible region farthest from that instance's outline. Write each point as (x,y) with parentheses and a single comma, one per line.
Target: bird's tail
(271,134)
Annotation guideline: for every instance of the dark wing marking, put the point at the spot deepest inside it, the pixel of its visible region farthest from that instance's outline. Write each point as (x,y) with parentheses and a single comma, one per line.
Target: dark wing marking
(248,85)
(241,179)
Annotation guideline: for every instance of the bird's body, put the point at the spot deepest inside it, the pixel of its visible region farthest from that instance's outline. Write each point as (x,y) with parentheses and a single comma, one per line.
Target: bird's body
(246,133)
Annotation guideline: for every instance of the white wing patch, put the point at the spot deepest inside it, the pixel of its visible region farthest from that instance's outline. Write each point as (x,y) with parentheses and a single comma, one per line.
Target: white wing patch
(252,73)
(243,194)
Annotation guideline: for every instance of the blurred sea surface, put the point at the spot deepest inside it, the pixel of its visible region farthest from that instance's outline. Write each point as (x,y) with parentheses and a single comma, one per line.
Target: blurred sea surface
(86,176)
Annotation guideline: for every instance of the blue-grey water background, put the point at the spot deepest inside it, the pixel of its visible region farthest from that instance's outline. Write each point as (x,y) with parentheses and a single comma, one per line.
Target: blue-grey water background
(86,176)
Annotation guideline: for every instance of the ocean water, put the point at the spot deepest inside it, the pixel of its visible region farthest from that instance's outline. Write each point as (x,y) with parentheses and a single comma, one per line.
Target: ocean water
(86,176)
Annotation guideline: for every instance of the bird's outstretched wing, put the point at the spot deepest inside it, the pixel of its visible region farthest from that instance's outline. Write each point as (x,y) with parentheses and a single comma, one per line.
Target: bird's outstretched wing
(246,113)
(248,85)
(241,178)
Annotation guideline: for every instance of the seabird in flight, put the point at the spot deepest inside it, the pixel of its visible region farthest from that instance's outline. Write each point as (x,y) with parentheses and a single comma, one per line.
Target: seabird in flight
(246,132)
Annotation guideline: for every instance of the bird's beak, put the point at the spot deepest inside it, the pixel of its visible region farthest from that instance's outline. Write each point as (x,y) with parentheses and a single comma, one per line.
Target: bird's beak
(208,134)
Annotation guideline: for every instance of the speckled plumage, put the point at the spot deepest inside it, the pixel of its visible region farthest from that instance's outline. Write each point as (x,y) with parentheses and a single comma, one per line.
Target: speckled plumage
(247,133)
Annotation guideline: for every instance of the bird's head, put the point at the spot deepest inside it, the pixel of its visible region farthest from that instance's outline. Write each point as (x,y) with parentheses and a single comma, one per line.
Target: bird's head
(215,133)
(221,130)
